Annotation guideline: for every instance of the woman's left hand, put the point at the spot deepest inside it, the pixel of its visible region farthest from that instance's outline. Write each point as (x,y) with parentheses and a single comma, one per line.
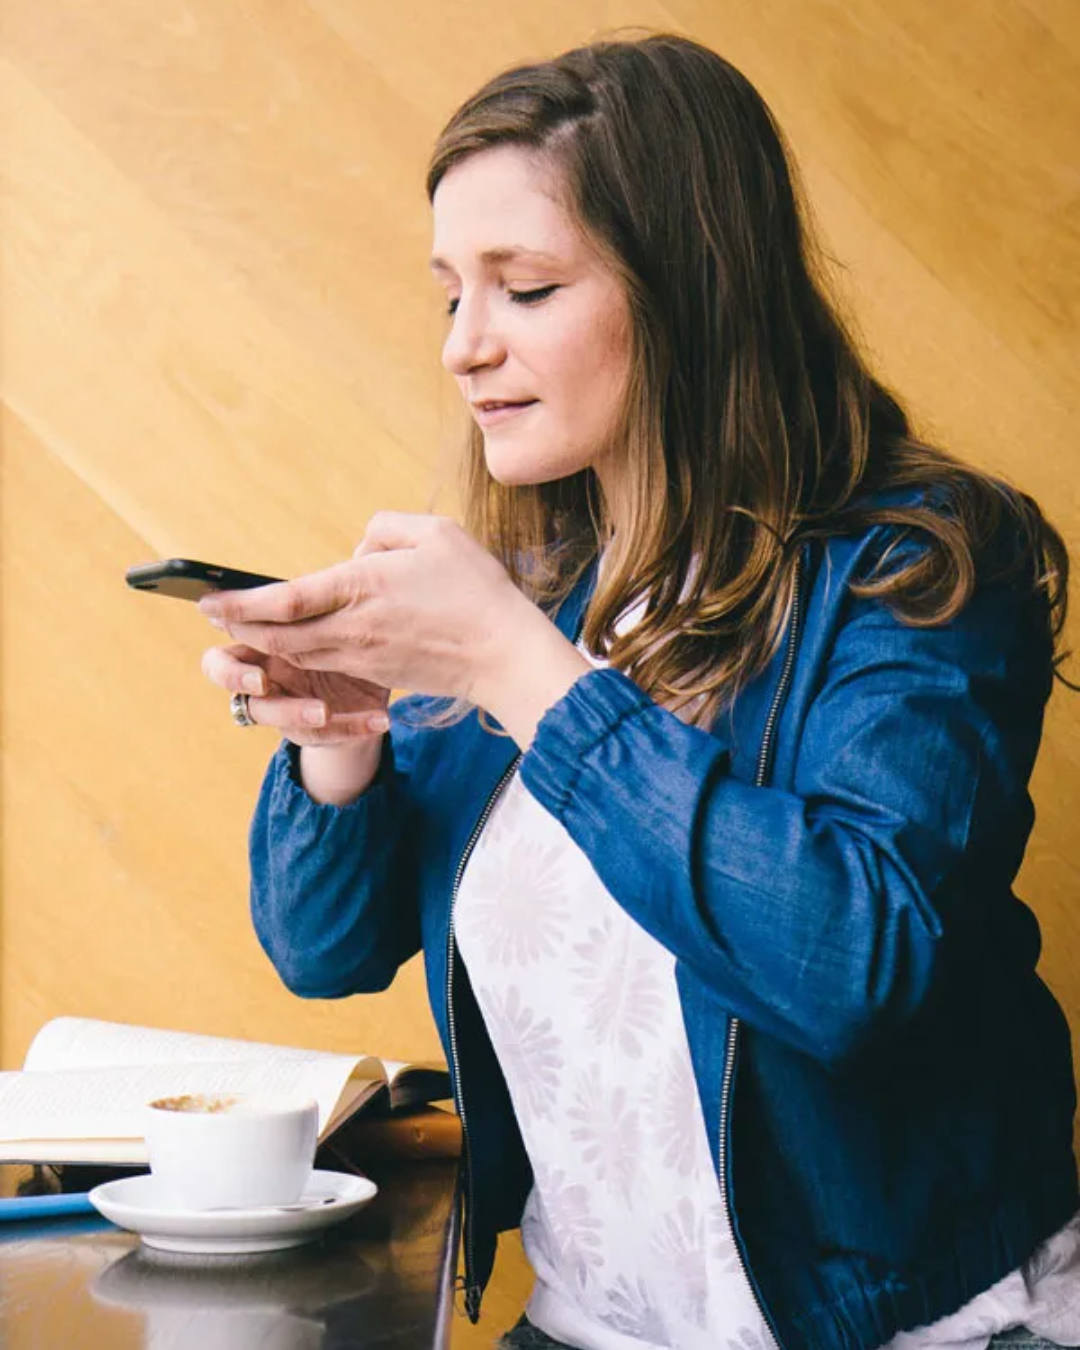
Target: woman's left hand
(420,606)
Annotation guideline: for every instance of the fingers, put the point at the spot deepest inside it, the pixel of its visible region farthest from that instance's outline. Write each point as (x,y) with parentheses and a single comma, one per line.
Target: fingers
(306,722)
(289,715)
(233,668)
(388,530)
(236,669)
(327,660)
(285,602)
(297,643)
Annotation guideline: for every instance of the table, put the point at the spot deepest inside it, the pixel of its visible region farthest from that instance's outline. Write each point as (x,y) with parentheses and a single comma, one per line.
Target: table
(383,1278)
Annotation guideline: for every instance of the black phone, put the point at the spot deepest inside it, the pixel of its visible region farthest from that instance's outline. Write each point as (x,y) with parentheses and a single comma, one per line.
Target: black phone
(186,579)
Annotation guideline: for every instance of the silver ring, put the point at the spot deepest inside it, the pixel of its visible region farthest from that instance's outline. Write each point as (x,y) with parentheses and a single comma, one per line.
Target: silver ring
(240,707)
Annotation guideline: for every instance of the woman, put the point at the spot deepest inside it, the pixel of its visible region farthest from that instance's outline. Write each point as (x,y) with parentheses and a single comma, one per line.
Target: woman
(719,932)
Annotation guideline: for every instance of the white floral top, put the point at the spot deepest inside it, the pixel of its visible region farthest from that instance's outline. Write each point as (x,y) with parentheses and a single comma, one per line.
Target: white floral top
(625,1226)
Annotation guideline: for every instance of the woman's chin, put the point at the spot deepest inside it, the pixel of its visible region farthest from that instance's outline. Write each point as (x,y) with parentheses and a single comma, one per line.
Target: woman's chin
(516,469)
(513,470)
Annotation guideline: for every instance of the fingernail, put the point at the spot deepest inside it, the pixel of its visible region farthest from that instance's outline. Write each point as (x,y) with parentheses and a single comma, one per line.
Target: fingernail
(219,623)
(209,608)
(314,716)
(379,723)
(252,683)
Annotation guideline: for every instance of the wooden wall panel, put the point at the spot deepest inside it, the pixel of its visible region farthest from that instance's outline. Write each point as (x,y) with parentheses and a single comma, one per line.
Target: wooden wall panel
(125,807)
(219,339)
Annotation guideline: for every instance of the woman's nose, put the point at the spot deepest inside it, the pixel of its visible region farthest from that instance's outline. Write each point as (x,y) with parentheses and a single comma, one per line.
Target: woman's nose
(472,341)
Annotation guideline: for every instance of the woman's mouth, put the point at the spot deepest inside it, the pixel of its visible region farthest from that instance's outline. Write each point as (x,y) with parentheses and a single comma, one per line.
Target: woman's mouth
(492,412)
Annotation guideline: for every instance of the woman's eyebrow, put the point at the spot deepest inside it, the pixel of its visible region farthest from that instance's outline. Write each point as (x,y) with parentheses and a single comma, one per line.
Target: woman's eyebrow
(502,255)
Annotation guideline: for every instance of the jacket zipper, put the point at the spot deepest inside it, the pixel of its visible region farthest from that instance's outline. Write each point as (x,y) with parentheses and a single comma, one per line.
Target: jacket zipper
(468,1284)
(761,777)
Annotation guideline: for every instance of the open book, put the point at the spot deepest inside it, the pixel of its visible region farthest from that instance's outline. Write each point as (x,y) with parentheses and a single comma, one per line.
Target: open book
(79,1094)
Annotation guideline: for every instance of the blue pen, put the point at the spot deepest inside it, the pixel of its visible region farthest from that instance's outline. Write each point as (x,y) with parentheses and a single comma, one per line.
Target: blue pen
(44,1206)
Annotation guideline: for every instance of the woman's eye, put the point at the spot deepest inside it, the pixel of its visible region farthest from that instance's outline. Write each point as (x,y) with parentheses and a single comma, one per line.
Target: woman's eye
(532,297)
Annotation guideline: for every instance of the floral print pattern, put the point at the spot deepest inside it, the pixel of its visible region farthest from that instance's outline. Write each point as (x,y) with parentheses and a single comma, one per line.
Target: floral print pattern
(632,1310)
(625,1226)
(678,1133)
(618,986)
(607,1131)
(529,1052)
(564,1213)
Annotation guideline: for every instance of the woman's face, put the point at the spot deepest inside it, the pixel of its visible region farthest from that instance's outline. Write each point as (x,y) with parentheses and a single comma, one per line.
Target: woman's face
(539,339)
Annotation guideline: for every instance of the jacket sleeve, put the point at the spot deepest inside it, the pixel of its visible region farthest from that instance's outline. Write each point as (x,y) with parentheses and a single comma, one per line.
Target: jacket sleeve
(333,899)
(831,913)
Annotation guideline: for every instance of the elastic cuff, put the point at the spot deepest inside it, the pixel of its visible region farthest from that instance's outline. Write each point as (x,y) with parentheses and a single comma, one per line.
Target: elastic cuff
(287,779)
(587,714)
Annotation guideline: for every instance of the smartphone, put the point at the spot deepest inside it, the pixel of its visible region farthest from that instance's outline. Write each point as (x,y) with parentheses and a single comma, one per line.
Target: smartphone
(186,579)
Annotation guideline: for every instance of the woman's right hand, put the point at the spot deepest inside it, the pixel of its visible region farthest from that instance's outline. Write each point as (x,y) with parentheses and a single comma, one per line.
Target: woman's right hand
(308,707)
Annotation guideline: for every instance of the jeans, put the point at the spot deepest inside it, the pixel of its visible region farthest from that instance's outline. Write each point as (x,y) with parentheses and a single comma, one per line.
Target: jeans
(525,1336)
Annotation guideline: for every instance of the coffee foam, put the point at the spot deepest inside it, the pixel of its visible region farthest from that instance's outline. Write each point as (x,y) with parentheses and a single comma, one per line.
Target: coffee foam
(199,1104)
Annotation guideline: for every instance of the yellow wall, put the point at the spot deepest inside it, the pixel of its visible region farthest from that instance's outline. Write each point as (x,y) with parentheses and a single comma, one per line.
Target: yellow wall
(220,340)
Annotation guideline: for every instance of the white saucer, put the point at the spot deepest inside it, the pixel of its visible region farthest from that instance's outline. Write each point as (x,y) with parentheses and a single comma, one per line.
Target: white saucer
(329,1198)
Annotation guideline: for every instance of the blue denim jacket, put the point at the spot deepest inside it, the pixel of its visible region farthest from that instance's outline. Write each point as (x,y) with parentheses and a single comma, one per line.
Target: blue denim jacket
(887,1081)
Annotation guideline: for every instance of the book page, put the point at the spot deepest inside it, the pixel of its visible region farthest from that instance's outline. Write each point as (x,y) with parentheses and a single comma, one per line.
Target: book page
(413,1084)
(395,1067)
(107,1103)
(57,1152)
(83,1043)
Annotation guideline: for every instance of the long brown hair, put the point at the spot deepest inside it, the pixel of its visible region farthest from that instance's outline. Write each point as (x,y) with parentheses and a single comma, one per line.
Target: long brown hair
(751,423)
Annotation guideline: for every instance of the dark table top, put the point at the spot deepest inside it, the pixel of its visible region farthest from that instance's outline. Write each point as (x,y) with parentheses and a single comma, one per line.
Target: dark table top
(383,1278)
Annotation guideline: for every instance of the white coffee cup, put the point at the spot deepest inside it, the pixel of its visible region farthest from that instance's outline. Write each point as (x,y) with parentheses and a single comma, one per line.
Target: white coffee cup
(230,1152)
